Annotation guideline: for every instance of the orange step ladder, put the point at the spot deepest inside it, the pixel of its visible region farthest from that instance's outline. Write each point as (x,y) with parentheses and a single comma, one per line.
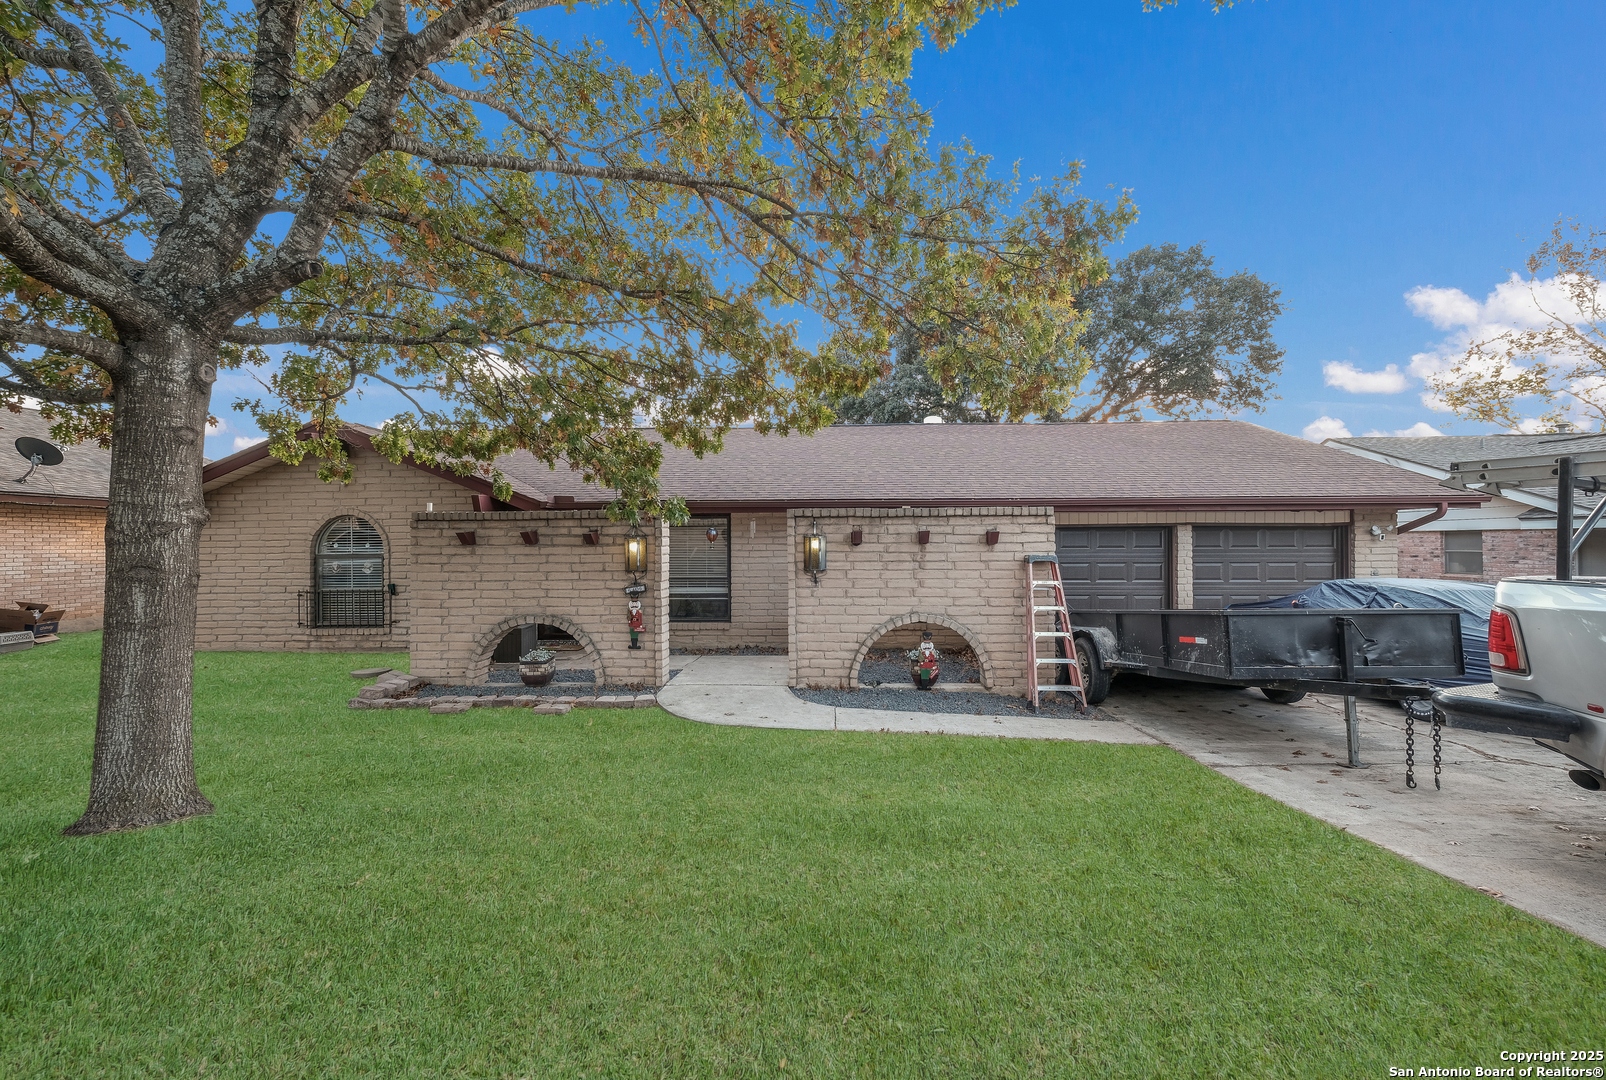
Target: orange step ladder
(1045,608)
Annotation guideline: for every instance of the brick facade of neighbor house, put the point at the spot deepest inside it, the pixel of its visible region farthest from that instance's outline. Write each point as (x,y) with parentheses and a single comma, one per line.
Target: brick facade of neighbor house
(53,524)
(256,552)
(466,598)
(1506,553)
(877,594)
(758,589)
(57,556)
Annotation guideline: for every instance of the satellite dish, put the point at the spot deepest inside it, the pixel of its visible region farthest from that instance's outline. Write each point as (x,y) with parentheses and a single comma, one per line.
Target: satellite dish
(38,452)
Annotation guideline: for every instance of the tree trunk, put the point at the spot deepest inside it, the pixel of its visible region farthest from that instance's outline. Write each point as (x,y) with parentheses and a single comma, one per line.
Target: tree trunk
(144,767)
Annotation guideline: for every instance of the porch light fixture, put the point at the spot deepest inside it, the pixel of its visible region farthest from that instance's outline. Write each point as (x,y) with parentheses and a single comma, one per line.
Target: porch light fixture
(924,536)
(856,537)
(992,537)
(531,538)
(635,553)
(814,553)
(591,538)
(466,539)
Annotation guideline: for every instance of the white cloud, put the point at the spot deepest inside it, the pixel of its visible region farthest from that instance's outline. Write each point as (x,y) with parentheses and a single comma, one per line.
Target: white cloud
(1325,427)
(1419,430)
(1348,377)
(245,442)
(1514,304)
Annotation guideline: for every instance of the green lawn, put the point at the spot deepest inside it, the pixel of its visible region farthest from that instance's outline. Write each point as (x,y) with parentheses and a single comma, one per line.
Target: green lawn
(623,894)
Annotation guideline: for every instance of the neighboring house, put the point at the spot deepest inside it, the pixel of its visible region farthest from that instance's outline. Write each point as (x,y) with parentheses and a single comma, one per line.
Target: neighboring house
(1514,533)
(924,526)
(53,524)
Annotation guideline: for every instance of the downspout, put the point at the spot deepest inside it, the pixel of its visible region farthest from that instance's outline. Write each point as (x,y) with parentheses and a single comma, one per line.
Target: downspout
(1444,508)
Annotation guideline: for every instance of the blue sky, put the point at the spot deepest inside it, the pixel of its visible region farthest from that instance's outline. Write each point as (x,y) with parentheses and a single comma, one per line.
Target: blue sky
(1354,153)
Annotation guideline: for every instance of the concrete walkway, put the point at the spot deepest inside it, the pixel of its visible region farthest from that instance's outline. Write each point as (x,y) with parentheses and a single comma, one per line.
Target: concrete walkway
(1507,822)
(750,691)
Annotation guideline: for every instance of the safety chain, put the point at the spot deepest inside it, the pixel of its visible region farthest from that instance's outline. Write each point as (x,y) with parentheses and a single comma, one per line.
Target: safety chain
(1437,727)
(1410,748)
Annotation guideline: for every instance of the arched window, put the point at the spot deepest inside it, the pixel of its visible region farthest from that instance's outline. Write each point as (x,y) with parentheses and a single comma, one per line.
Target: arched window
(349,574)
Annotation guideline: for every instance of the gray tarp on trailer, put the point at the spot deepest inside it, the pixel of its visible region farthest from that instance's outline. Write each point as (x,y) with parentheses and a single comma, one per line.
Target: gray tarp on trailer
(1473,599)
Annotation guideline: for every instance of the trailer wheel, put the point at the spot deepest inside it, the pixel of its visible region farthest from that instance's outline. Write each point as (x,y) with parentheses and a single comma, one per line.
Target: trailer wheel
(1095,676)
(1282,697)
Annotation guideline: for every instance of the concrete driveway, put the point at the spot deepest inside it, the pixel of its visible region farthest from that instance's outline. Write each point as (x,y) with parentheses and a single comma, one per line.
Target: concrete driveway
(1507,821)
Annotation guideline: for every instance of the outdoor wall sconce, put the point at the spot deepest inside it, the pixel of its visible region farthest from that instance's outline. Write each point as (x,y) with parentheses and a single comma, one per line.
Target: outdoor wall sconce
(482,504)
(392,588)
(992,537)
(466,539)
(856,537)
(924,536)
(635,554)
(591,539)
(814,553)
(531,538)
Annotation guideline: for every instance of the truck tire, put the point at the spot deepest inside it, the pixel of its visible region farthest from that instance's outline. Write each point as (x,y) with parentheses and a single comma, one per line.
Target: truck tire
(1282,697)
(1095,676)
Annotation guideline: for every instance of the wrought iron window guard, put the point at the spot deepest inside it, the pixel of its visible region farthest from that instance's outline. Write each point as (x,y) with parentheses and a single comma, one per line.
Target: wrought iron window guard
(318,608)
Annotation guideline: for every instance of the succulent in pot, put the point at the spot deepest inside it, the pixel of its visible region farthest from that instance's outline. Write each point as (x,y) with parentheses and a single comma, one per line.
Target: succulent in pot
(537,667)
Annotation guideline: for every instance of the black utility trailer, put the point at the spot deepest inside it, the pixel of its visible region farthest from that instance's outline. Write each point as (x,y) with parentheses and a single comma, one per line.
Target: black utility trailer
(1378,653)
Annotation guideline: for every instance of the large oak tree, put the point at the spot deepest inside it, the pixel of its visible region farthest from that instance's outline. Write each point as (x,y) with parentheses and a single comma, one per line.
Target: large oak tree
(458,199)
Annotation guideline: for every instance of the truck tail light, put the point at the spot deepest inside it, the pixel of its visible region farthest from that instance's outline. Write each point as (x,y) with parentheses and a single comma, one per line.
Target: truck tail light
(1505,644)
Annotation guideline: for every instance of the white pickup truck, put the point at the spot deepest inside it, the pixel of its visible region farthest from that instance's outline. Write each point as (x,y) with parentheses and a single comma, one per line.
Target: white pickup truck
(1547,651)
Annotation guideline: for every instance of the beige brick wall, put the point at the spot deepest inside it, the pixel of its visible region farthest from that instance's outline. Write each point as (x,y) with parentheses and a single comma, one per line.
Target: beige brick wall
(956,577)
(1372,556)
(1182,566)
(256,551)
(55,555)
(476,594)
(760,565)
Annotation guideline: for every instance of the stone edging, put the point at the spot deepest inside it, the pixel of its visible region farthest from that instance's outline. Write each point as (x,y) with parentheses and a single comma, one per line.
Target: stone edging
(386,694)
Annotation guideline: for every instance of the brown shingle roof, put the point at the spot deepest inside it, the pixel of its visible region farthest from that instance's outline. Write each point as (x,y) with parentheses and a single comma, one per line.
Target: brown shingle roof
(1205,463)
(82,478)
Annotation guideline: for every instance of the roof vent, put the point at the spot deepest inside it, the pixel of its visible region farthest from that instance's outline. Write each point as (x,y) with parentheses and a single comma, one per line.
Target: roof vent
(933,419)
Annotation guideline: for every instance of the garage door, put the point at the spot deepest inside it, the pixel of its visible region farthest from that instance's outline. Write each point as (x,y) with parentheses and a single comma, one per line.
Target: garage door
(1235,565)
(1113,569)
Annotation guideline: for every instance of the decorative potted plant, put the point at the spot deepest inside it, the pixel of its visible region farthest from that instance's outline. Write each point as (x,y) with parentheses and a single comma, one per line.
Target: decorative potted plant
(923,669)
(537,666)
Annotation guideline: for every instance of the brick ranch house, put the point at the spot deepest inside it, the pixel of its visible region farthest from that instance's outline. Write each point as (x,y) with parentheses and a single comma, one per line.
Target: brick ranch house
(1514,533)
(924,526)
(53,524)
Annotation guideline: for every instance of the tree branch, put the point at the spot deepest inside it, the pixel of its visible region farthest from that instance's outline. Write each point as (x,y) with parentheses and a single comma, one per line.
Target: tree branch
(105,354)
(181,77)
(136,155)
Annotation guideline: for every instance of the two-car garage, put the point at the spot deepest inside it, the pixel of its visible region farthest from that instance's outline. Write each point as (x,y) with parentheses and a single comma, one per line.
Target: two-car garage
(1116,568)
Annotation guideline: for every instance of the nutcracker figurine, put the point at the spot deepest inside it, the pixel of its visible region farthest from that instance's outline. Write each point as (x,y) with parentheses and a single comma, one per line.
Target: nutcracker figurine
(636,624)
(924,663)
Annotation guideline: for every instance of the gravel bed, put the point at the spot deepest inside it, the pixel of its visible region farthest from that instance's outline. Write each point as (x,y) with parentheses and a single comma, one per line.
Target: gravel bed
(980,703)
(876,672)
(564,682)
(501,676)
(733,650)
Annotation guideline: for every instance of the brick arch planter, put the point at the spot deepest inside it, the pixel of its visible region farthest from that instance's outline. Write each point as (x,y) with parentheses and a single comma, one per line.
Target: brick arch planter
(479,668)
(983,658)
